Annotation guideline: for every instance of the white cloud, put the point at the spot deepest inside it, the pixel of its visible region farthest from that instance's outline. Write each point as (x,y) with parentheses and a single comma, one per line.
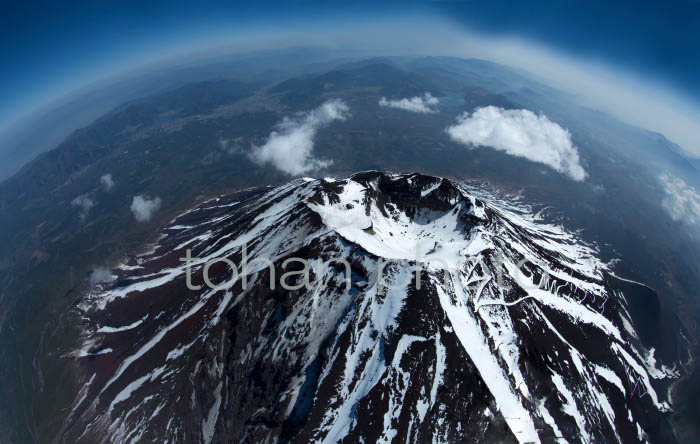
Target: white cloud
(289,146)
(107,182)
(101,274)
(520,133)
(143,207)
(231,146)
(418,104)
(682,202)
(627,94)
(84,203)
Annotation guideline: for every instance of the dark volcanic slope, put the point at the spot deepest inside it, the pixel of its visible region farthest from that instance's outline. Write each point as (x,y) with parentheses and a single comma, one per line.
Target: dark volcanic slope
(514,333)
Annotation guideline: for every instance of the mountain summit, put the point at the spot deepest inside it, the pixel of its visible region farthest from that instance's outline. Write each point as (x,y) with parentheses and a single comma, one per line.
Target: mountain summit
(378,308)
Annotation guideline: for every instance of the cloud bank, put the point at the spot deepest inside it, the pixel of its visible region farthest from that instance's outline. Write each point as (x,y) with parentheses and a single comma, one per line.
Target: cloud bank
(107,182)
(419,104)
(520,133)
(682,202)
(289,146)
(85,203)
(143,207)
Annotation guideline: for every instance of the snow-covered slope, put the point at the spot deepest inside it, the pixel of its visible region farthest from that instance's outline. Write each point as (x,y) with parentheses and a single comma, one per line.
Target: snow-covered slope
(514,331)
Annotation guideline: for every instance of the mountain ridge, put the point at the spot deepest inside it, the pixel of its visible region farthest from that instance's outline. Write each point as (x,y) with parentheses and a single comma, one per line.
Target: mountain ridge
(472,352)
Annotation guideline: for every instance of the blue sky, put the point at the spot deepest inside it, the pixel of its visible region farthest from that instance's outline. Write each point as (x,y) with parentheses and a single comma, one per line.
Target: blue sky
(48,48)
(657,38)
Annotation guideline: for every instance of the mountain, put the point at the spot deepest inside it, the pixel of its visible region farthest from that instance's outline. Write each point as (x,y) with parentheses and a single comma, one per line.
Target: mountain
(514,332)
(46,128)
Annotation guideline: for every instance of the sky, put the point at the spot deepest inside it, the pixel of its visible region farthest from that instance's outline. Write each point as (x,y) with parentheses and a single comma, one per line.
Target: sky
(48,49)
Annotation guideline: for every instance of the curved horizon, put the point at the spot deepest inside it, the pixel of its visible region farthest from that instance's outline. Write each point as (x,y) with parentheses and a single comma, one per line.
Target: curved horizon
(629,96)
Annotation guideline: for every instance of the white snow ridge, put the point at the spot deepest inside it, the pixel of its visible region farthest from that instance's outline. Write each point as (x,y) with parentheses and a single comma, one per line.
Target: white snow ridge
(513,333)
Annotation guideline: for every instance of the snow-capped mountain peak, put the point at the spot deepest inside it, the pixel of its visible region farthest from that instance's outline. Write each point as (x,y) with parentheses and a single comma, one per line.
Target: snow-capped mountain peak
(378,308)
